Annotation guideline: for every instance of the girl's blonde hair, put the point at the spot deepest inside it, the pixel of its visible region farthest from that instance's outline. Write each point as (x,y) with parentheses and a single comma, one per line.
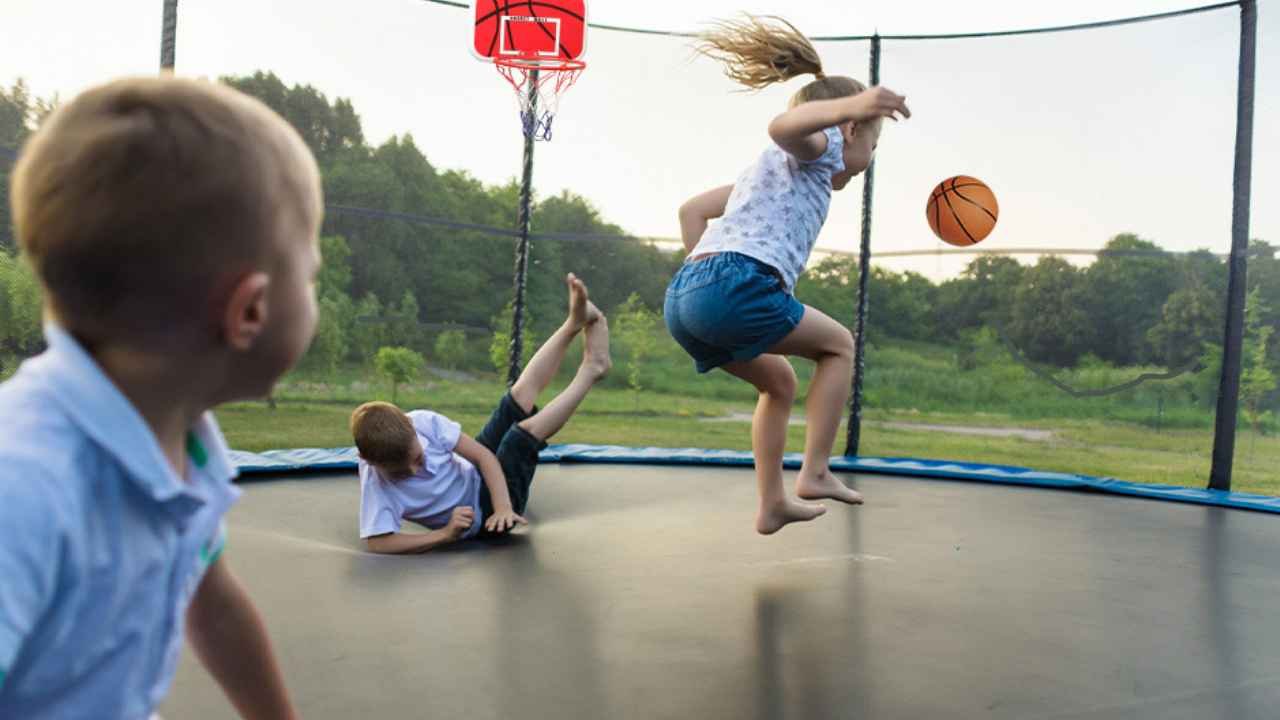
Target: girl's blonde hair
(758,51)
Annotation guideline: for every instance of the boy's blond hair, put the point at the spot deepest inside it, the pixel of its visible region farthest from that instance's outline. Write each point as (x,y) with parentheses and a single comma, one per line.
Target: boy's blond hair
(137,201)
(383,433)
(759,51)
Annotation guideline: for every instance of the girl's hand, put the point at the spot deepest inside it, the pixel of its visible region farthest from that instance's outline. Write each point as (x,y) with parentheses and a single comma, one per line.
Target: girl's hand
(878,102)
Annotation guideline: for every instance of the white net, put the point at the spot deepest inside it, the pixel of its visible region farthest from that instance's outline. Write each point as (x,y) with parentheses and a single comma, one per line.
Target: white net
(538,86)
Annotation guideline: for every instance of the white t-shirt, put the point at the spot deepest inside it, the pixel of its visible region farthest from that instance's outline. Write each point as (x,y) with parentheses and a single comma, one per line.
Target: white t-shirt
(429,496)
(776,209)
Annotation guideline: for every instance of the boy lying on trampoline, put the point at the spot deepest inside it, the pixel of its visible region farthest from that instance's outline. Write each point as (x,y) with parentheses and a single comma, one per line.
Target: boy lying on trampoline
(419,466)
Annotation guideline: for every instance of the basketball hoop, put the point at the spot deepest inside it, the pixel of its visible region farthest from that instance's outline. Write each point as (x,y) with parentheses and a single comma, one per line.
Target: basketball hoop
(539,83)
(537,47)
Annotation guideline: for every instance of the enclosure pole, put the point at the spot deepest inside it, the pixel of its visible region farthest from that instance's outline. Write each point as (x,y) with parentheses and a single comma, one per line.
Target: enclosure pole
(522,247)
(1224,429)
(168,35)
(854,430)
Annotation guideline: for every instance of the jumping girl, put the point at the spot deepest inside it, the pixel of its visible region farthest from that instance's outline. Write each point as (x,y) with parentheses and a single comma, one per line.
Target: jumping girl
(732,304)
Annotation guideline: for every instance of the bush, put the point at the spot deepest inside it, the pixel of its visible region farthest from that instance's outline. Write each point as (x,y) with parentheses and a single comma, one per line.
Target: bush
(451,348)
(398,365)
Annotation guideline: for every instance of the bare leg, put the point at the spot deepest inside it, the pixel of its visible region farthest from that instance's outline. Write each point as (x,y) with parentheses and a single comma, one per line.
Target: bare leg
(545,363)
(595,365)
(776,380)
(829,344)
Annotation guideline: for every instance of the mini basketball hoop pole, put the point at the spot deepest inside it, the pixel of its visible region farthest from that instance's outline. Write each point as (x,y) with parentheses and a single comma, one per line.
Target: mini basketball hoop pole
(522,246)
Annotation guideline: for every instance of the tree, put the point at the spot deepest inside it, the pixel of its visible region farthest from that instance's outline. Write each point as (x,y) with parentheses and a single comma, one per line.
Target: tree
(20,114)
(500,346)
(451,348)
(635,326)
(1048,322)
(1257,381)
(1125,290)
(1190,318)
(403,324)
(335,272)
(368,328)
(20,307)
(327,129)
(982,295)
(398,365)
(329,345)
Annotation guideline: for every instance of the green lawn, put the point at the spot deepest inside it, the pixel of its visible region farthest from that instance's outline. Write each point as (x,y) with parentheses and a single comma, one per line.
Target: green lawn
(315,415)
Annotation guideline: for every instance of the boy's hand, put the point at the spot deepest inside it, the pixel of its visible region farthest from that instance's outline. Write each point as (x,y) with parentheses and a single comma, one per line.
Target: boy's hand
(460,521)
(879,102)
(502,521)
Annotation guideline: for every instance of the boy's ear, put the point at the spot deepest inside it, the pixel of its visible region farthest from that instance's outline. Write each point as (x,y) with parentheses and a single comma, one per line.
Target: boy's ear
(245,315)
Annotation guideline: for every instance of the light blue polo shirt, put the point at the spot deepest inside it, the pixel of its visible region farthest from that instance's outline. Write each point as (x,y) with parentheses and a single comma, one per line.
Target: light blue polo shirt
(102,544)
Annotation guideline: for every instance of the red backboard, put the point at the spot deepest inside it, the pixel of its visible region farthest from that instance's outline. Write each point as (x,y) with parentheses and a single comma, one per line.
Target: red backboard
(529,29)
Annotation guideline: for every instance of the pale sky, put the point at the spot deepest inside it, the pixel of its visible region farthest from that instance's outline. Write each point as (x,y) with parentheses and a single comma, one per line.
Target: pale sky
(1081,135)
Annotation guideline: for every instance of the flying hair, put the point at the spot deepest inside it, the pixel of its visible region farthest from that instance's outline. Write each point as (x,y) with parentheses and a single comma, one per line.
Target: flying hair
(760,50)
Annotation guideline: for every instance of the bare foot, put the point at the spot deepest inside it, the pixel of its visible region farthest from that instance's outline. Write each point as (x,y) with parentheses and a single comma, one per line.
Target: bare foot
(579,305)
(593,312)
(595,348)
(826,487)
(771,518)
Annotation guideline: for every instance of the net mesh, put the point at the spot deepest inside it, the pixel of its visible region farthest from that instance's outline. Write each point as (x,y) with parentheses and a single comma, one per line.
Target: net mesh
(1086,337)
(538,87)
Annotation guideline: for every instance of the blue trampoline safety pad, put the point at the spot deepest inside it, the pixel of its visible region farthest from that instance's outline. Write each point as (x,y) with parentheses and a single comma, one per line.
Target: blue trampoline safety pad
(254,465)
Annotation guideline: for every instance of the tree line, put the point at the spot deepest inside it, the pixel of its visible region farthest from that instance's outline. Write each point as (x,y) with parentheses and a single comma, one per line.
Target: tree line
(391,278)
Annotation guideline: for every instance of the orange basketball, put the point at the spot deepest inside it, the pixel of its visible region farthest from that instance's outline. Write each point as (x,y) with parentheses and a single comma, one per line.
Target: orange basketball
(962,210)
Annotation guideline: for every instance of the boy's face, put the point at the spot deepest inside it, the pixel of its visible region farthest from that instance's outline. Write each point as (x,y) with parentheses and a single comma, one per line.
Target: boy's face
(412,464)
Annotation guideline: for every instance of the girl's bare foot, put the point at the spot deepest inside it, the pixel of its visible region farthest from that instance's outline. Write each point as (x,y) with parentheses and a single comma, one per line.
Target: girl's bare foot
(825,486)
(579,305)
(772,517)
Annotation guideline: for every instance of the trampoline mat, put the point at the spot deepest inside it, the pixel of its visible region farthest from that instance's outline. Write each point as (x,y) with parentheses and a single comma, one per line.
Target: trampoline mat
(643,592)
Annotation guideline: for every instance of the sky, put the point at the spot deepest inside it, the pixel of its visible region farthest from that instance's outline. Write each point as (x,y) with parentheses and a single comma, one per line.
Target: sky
(1081,135)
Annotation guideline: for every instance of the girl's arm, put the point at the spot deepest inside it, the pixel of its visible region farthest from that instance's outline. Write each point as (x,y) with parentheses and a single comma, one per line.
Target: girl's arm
(696,211)
(799,130)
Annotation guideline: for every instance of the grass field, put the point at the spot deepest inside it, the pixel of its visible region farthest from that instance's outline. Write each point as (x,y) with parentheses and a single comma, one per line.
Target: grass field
(312,414)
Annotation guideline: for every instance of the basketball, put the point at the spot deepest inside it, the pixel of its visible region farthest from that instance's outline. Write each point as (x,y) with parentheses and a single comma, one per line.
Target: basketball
(962,210)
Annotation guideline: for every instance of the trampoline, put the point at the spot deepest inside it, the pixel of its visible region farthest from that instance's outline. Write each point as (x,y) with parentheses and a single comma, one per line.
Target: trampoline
(642,592)
(640,589)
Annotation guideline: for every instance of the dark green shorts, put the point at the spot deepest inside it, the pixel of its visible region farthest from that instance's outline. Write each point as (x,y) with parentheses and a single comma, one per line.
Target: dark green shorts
(517,452)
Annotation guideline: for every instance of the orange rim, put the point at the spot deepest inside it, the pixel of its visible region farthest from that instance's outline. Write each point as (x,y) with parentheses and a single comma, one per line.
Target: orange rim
(553,64)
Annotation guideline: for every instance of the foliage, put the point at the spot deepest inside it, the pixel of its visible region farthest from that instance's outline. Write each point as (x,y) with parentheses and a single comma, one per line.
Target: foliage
(20,307)
(1048,321)
(500,345)
(329,345)
(1257,381)
(398,365)
(368,331)
(20,114)
(451,348)
(635,328)
(1140,284)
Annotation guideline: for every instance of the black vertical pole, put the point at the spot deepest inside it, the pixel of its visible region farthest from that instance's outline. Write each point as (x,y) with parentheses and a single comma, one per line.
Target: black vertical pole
(522,248)
(1224,427)
(168,35)
(854,436)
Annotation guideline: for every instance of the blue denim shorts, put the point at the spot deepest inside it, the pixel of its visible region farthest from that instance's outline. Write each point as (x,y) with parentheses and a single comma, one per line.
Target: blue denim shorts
(729,307)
